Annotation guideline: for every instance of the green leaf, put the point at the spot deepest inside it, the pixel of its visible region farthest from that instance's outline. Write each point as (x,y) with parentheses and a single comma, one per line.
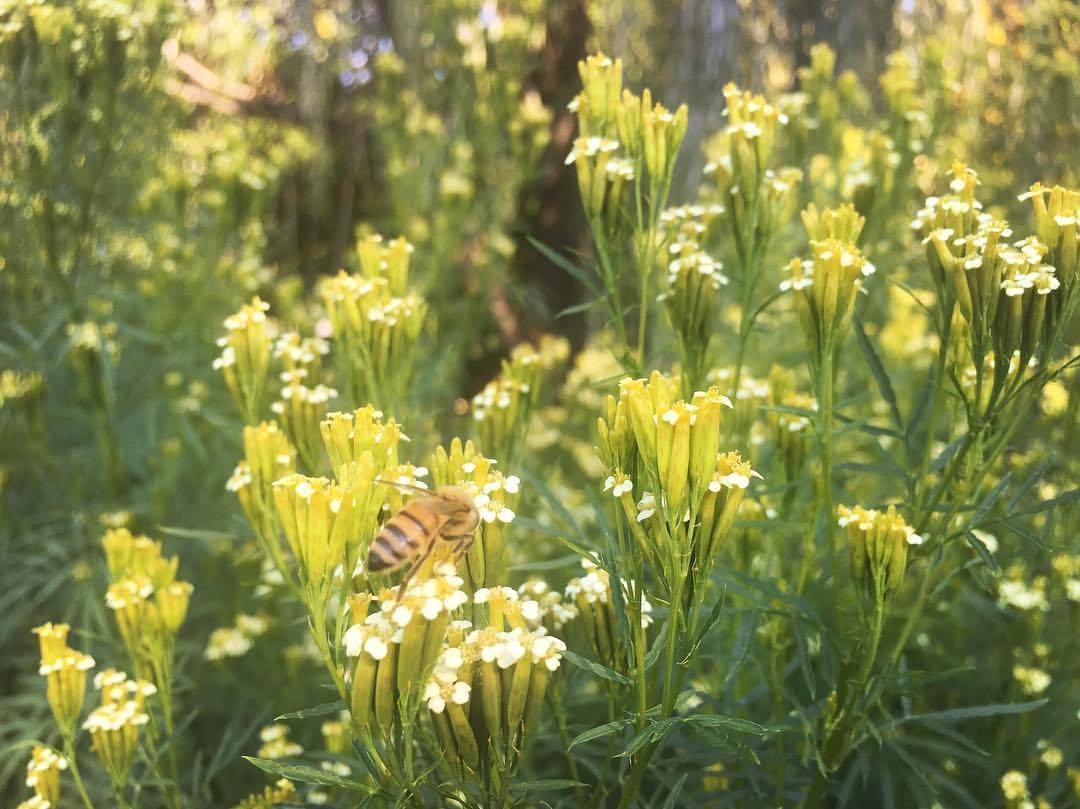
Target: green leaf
(673,796)
(710,622)
(315,710)
(547,785)
(195,533)
(974,712)
(877,369)
(654,733)
(1029,482)
(566,264)
(657,646)
(982,550)
(305,774)
(990,500)
(595,668)
(578,308)
(946,454)
(598,732)
(729,723)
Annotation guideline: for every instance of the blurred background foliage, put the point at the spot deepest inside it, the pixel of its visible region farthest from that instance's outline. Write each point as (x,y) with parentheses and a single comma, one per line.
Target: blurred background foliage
(162,161)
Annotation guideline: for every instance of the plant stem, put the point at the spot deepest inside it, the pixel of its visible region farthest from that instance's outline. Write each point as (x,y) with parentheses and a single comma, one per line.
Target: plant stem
(555,698)
(667,702)
(69,754)
(837,743)
(825,438)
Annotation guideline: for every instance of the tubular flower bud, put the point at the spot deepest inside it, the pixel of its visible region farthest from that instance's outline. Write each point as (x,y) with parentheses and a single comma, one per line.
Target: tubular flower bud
(386,260)
(301,409)
(317,517)
(114,735)
(602,175)
(301,353)
(878,544)
(268,456)
(825,288)
(375,329)
(674,457)
(43,774)
(597,104)
(591,595)
(502,410)
(245,356)
(349,436)
(843,224)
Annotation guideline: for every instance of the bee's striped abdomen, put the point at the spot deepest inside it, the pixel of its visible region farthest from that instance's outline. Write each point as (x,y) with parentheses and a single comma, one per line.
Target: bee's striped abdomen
(402,538)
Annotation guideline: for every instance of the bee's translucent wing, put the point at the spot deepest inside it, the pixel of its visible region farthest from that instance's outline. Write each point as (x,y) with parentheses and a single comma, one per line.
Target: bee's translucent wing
(408,487)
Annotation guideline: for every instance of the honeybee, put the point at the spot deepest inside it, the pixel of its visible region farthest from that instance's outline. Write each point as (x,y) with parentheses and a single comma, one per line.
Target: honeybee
(447,514)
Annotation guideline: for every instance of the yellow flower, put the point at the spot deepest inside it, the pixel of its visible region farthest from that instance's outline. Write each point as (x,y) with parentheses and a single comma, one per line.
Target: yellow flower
(114,735)
(878,543)
(65,671)
(43,773)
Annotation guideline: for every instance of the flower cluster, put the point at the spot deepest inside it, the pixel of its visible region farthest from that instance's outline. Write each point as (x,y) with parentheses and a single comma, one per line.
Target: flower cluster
(625,138)
(487,688)
(276,743)
(43,776)
(268,456)
(397,646)
(878,544)
(64,670)
(1012,298)
(146,598)
(543,606)
(390,260)
(235,640)
(825,284)
(301,354)
(592,597)
(693,280)
(245,356)
(375,321)
(495,495)
(757,197)
(502,410)
(670,448)
(281,792)
(15,386)
(300,410)
(114,725)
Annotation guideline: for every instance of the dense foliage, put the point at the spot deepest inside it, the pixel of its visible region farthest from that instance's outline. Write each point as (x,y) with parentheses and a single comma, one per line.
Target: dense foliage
(781,508)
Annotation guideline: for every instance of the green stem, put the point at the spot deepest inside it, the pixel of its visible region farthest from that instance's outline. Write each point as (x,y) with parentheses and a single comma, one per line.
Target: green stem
(318,634)
(667,702)
(825,437)
(69,754)
(935,407)
(163,675)
(555,699)
(838,741)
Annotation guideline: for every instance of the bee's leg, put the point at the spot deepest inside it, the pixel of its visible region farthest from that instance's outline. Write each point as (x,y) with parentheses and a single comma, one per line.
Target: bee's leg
(463,545)
(412,570)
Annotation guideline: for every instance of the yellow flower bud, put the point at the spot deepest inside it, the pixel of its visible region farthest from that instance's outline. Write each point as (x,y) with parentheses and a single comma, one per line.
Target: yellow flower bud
(43,773)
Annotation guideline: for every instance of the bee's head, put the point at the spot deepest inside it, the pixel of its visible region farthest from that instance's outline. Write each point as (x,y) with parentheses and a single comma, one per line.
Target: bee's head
(461,515)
